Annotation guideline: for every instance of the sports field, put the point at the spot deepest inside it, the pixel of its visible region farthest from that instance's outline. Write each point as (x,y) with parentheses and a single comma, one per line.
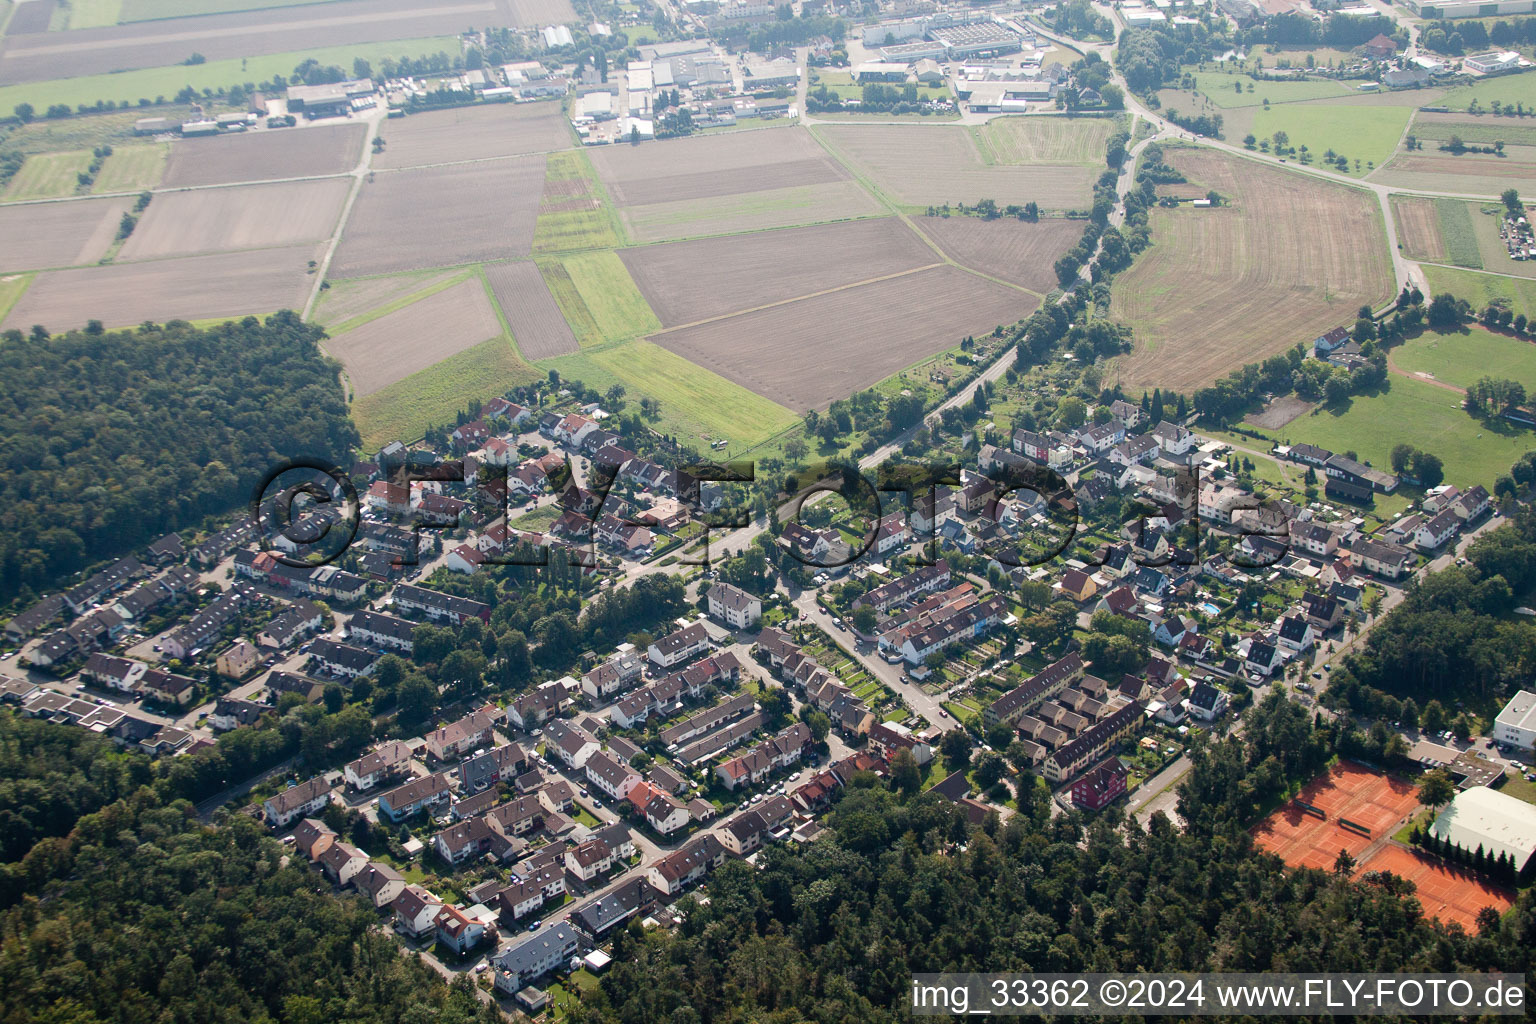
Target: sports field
(1416,413)
(1462,357)
(1347,791)
(435,395)
(1290,257)
(697,406)
(1448,892)
(1481,289)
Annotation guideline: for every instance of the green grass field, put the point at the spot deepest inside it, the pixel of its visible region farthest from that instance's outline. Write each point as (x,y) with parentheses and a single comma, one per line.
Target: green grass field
(697,406)
(132,168)
(153,83)
(571,304)
(406,408)
(1485,132)
(1481,289)
(564,230)
(839,82)
(618,309)
(1456,231)
(12,287)
(1508,90)
(1419,414)
(1369,134)
(1462,357)
(153,10)
(49,175)
(97,13)
(1220,87)
(1044,140)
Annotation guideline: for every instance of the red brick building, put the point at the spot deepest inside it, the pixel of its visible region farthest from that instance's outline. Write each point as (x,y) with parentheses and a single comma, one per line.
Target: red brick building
(1099,785)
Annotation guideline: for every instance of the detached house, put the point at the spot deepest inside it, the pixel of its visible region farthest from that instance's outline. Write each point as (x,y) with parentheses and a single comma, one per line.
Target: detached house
(734,606)
(296,802)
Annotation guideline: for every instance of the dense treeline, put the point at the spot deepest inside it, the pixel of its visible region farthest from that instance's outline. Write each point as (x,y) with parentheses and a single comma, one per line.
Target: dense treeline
(1151,57)
(1339,30)
(49,777)
(109,439)
(1453,638)
(833,932)
(141,913)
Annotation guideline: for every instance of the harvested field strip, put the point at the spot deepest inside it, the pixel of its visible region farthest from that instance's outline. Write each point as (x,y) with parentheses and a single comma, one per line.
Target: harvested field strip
(290,153)
(133,168)
(572,306)
(246,217)
(435,395)
(402,300)
(751,211)
(473,133)
(854,337)
(690,281)
(1459,239)
(71,234)
(1418,227)
(193,288)
(1048,139)
(1481,132)
(531,312)
(49,175)
(618,309)
(441,217)
(575,212)
(12,287)
(416,336)
(1290,257)
(697,406)
(157,10)
(717,165)
(920,165)
(1010,250)
(348,300)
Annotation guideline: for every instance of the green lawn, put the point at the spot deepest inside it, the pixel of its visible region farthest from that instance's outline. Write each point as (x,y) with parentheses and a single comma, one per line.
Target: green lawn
(1364,133)
(1480,289)
(132,168)
(838,82)
(697,406)
(564,230)
(1485,132)
(49,175)
(1457,233)
(1418,414)
(618,310)
(1219,86)
(435,395)
(1508,90)
(152,83)
(1460,358)
(12,287)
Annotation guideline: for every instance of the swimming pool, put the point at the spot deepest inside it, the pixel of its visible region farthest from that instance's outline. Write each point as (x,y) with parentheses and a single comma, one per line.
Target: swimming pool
(1208,608)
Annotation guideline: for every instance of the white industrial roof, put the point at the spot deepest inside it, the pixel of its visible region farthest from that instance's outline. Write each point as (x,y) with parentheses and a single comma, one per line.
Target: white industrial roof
(1520,712)
(1484,817)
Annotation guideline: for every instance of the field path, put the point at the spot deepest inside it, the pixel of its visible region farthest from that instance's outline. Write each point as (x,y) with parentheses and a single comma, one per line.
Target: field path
(359,175)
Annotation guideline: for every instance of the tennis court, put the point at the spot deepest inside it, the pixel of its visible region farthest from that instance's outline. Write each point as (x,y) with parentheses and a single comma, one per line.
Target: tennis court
(1350,807)
(1448,892)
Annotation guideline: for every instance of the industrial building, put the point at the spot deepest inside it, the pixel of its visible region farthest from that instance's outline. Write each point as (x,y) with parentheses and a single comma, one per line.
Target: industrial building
(1494,821)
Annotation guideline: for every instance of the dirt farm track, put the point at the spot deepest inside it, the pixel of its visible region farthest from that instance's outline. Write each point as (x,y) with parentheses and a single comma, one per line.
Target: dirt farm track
(41,56)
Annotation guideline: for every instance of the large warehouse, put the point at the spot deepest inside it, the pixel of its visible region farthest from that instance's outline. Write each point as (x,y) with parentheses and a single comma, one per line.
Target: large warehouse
(1498,823)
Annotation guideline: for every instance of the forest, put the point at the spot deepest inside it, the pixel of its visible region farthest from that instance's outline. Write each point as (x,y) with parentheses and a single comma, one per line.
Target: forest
(140,912)
(110,438)
(1453,637)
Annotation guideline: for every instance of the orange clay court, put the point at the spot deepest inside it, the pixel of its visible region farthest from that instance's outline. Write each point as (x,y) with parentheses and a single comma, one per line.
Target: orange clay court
(1445,891)
(1348,791)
